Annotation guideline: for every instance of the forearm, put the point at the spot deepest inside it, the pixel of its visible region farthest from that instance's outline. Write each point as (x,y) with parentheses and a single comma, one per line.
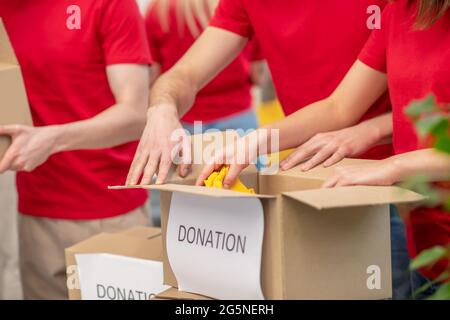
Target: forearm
(322,116)
(359,89)
(380,126)
(211,53)
(175,89)
(428,162)
(116,125)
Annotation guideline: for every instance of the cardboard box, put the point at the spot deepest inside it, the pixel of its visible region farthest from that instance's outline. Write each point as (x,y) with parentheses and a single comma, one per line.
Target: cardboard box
(14,108)
(318,243)
(140,243)
(175,294)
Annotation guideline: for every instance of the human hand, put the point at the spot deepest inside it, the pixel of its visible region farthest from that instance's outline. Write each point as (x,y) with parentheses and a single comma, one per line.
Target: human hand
(162,140)
(378,173)
(30,146)
(331,147)
(237,156)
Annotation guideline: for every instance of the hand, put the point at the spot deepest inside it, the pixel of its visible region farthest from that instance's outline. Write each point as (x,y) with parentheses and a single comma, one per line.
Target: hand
(378,173)
(30,147)
(237,156)
(159,146)
(331,147)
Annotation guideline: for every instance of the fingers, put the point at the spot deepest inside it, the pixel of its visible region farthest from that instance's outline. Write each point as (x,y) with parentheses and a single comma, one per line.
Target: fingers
(10,130)
(150,168)
(201,13)
(211,5)
(335,158)
(164,167)
(8,159)
(303,152)
(318,158)
(185,165)
(189,17)
(341,177)
(331,181)
(232,175)
(296,157)
(137,167)
(206,172)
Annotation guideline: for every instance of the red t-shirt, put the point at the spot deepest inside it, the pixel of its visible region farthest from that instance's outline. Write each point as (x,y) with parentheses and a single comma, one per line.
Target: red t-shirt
(66,81)
(309,46)
(417,64)
(225,95)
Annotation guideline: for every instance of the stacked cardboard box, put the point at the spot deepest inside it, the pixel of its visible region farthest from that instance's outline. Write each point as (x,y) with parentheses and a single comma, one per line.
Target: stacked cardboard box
(139,243)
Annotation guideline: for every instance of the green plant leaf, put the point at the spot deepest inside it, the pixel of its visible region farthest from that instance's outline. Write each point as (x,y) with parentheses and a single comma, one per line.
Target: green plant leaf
(420,107)
(443,144)
(428,257)
(444,276)
(441,127)
(447,204)
(443,293)
(421,184)
(431,125)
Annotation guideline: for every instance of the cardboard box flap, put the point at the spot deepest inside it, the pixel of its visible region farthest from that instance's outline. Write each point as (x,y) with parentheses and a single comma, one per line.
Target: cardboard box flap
(354,196)
(175,294)
(203,191)
(119,244)
(6,51)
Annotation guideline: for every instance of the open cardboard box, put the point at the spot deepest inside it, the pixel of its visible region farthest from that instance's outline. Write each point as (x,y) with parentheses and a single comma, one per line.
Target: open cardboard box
(14,107)
(138,242)
(318,243)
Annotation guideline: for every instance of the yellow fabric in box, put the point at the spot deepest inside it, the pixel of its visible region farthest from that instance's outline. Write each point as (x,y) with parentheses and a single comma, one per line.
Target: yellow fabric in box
(215,180)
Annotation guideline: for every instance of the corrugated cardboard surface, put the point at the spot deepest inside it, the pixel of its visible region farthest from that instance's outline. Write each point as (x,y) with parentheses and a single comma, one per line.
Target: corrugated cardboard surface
(14,107)
(327,253)
(138,242)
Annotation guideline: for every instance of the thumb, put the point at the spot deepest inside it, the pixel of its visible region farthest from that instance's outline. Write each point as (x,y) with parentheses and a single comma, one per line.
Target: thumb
(10,130)
(233,174)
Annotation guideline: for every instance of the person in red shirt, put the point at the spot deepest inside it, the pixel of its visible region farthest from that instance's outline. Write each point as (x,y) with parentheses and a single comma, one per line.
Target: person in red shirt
(226,102)
(85,67)
(409,55)
(227,98)
(307,55)
(307,59)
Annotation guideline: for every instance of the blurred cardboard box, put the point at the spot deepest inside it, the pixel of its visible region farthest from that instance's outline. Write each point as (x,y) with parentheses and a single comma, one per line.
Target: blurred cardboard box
(317,243)
(116,266)
(14,108)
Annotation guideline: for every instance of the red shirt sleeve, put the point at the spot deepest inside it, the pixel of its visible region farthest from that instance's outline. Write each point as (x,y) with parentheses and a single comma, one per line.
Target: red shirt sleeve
(373,53)
(231,15)
(122,33)
(152,27)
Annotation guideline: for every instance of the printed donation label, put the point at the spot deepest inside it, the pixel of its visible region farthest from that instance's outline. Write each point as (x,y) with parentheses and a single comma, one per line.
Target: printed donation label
(106,276)
(214,245)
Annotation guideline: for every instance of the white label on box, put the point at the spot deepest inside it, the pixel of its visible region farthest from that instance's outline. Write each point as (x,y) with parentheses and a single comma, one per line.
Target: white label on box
(214,245)
(105,276)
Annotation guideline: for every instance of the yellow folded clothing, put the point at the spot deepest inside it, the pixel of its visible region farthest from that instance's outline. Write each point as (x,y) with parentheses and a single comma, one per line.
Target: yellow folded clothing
(215,180)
